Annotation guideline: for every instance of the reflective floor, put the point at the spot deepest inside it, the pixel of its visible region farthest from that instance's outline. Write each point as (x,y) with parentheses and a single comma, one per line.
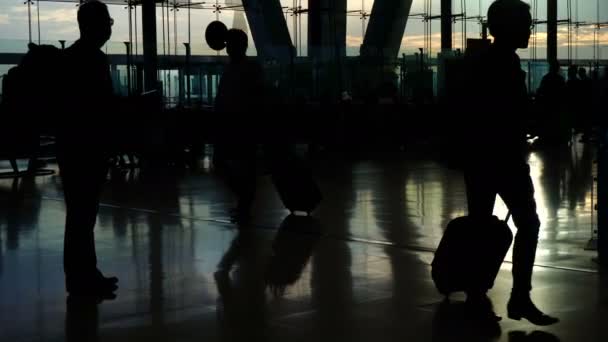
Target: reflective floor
(358,271)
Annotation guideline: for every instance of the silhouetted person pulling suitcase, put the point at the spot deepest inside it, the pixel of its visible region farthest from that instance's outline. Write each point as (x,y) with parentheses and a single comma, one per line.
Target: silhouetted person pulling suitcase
(239,102)
(496,152)
(82,156)
(240,92)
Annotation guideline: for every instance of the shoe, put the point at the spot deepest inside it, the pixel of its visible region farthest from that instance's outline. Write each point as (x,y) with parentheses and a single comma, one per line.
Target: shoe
(522,307)
(80,300)
(94,285)
(101,277)
(91,288)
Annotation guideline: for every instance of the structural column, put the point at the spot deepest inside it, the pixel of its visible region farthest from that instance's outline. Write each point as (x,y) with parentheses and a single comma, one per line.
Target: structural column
(446,25)
(150,51)
(327,30)
(551,31)
(269,29)
(386,28)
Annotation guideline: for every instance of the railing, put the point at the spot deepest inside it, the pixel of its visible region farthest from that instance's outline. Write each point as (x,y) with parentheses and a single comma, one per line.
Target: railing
(113,47)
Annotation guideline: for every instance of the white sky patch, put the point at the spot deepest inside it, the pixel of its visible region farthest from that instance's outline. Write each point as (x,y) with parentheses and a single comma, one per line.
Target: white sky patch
(47,15)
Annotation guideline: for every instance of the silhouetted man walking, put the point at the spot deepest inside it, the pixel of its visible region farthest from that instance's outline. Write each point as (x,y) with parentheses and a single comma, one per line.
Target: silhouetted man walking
(240,92)
(497,163)
(82,156)
(585,101)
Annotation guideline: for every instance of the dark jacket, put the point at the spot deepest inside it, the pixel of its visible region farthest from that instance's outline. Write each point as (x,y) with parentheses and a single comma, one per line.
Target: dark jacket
(238,103)
(497,108)
(88,98)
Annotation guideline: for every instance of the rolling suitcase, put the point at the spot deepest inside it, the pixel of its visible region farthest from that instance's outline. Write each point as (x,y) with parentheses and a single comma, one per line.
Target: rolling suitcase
(470,254)
(296,186)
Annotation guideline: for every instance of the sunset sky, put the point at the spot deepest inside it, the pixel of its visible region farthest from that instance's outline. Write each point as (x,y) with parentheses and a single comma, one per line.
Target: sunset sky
(58,21)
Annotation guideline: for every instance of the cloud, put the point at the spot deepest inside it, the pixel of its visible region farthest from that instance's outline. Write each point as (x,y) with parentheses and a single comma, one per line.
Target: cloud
(62,31)
(585,38)
(354,41)
(411,41)
(418,40)
(63,15)
(19,10)
(4,19)
(59,15)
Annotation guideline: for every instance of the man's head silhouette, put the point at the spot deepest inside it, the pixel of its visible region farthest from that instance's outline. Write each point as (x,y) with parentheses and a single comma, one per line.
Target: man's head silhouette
(554,67)
(95,23)
(510,23)
(236,44)
(582,73)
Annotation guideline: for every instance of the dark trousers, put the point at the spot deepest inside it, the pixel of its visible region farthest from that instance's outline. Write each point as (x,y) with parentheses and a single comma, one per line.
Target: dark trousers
(238,165)
(82,175)
(513,183)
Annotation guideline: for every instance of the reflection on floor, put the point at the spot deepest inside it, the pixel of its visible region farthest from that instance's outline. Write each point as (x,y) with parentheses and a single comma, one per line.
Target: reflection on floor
(358,271)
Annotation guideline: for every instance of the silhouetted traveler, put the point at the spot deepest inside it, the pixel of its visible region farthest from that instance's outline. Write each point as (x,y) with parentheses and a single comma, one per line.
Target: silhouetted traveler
(82,156)
(239,96)
(585,110)
(572,76)
(573,94)
(552,86)
(602,99)
(29,99)
(582,75)
(605,82)
(553,124)
(495,161)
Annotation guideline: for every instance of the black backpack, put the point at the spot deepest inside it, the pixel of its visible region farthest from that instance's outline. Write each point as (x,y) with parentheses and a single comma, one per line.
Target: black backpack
(32,93)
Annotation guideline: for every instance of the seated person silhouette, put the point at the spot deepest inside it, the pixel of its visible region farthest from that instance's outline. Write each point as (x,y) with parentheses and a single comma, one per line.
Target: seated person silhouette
(495,161)
(81,155)
(240,91)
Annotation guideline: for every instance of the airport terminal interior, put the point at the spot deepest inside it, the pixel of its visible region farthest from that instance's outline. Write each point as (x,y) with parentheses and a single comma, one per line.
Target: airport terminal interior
(361,91)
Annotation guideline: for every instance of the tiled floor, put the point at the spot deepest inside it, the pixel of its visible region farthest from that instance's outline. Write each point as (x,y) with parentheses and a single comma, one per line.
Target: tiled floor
(186,273)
